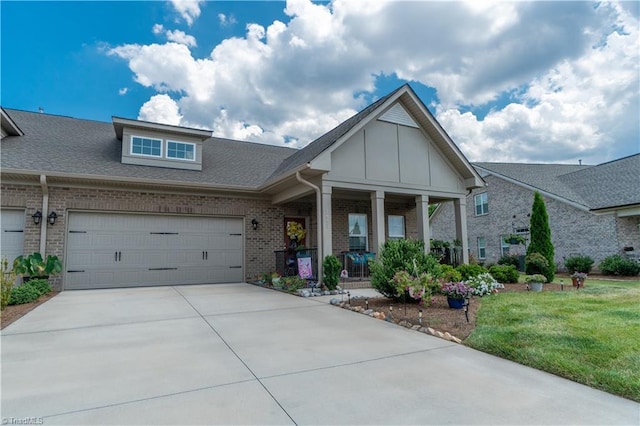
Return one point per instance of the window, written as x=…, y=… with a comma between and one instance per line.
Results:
x=396, y=227
x=482, y=252
x=358, y=232
x=181, y=150
x=504, y=246
x=146, y=146
x=482, y=204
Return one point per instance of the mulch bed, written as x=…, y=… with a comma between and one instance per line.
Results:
x=14, y=312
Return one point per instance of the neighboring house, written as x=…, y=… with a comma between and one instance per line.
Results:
x=141, y=204
x=593, y=210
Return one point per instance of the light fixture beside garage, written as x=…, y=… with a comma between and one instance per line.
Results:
x=254, y=223
x=51, y=218
x=37, y=217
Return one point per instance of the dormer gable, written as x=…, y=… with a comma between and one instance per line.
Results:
x=160, y=145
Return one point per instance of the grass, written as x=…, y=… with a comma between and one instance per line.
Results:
x=590, y=336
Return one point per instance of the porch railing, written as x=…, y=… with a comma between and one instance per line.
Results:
x=448, y=256
x=356, y=263
x=287, y=261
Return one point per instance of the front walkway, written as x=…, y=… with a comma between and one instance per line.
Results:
x=242, y=354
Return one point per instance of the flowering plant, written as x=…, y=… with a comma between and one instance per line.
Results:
x=579, y=275
x=484, y=284
x=419, y=287
x=295, y=231
x=456, y=290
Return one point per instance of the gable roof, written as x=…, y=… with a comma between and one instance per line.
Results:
x=340, y=133
x=318, y=146
x=608, y=185
x=67, y=146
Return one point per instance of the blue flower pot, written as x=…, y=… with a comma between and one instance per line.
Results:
x=455, y=303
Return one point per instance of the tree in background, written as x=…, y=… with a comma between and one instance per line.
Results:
x=541, y=234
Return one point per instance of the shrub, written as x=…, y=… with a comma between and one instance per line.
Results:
x=510, y=259
x=34, y=265
x=471, y=270
x=40, y=285
x=293, y=284
x=541, y=235
x=505, y=273
x=578, y=264
x=618, y=265
x=450, y=274
x=400, y=255
x=7, y=280
x=483, y=284
x=24, y=293
x=331, y=267
x=535, y=278
x=535, y=263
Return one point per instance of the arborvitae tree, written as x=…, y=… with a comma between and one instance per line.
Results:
x=541, y=234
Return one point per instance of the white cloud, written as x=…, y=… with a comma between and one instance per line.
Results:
x=299, y=77
x=182, y=38
x=123, y=91
x=189, y=10
x=158, y=29
x=160, y=109
x=225, y=20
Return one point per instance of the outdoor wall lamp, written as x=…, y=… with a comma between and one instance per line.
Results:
x=37, y=217
x=52, y=218
x=254, y=223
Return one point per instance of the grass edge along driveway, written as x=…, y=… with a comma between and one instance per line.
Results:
x=590, y=336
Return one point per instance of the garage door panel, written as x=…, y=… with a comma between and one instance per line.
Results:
x=121, y=250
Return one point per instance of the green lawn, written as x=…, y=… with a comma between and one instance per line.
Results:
x=591, y=336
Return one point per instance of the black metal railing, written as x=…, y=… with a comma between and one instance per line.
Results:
x=356, y=263
x=287, y=261
x=448, y=256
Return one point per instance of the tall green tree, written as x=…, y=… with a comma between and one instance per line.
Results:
x=541, y=234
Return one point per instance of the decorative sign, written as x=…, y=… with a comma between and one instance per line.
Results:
x=304, y=268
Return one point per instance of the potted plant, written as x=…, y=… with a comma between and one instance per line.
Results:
x=275, y=280
x=535, y=281
x=34, y=266
x=578, y=279
x=456, y=293
x=514, y=239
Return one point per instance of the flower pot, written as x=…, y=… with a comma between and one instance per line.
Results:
x=455, y=303
x=577, y=282
x=536, y=286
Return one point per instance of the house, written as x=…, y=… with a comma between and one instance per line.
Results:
x=133, y=203
x=593, y=210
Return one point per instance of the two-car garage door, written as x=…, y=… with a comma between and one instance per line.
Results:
x=129, y=250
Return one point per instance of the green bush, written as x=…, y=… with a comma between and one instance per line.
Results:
x=618, y=265
x=510, y=259
x=578, y=264
x=470, y=271
x=24, y=293
x=535, y=263
x=504, y=273
x=400, y=255
x=293, y=284
x=42, y=286
x=331, y=267
x=7, y=279
x=450, y=274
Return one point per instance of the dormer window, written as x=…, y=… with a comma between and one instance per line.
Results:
x=160, y=145
x=181, y=150
x=146, y=146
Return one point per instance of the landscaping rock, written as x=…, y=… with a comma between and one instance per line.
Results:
x=368, y=311
x=405, y=324
x=447, y=336
x=455, y=339
x=326, y=293
x=431, y=331
x=333, y=292
x=423, y=330
x=415, y=327
x=334, y=301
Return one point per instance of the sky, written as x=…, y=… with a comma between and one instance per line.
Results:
x=537, y=82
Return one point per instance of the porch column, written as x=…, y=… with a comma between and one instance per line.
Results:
x=422, y=211
x=460, y=207
x=377, y=213
x=327, y=227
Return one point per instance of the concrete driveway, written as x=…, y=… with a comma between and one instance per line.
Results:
x=240, y=354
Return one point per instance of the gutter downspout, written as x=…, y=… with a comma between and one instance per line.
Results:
x=318, y=220
x=45, y=209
